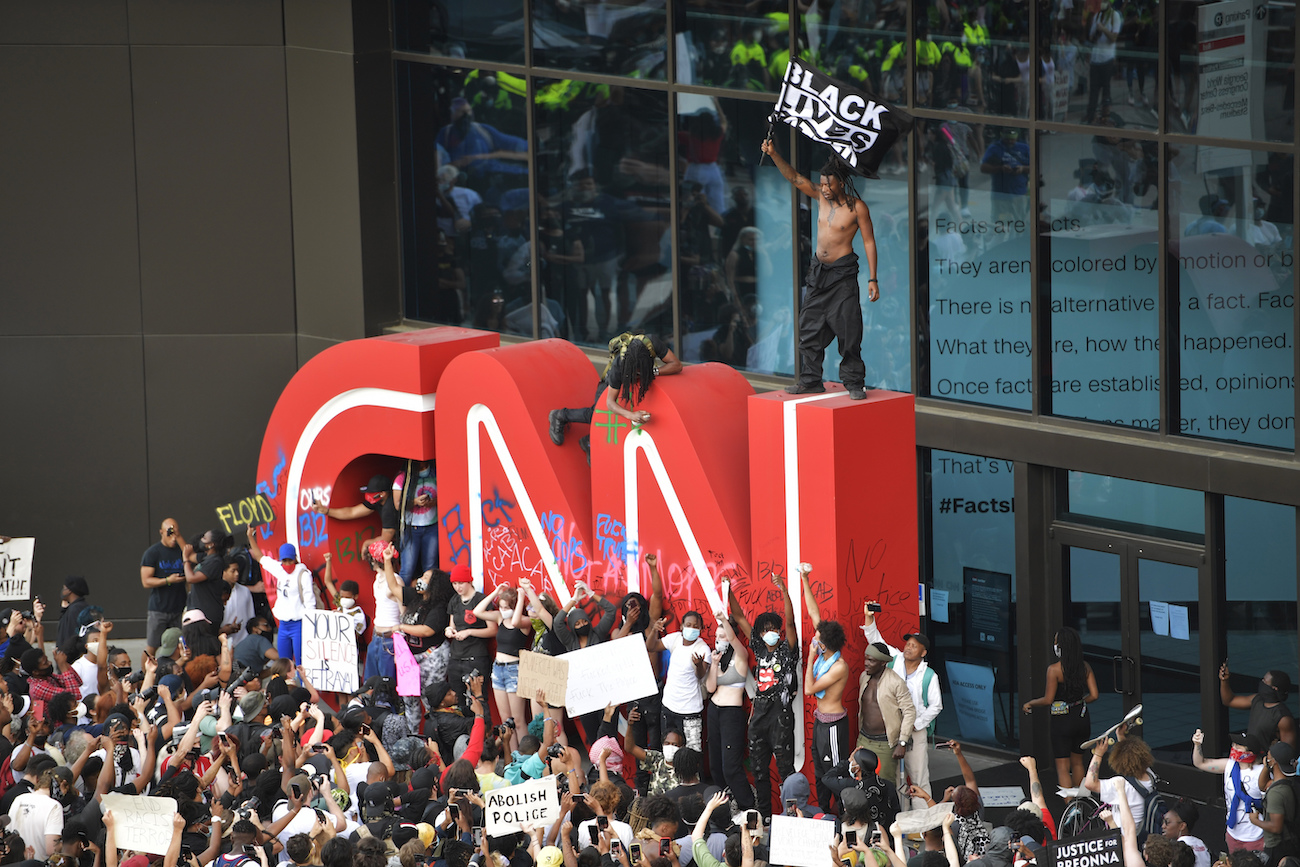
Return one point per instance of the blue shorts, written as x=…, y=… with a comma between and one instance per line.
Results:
x=505, y=676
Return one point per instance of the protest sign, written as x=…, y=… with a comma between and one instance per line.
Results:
x=16, y=568
x=547, y=673
x=799, y=842
x=920, y=821
x=1002, y=796
x=1103, y=849
x=408, y=670
x=141, y=823
x=250, y=510
x=612, y=672
x=515, y=808
x=329, y=651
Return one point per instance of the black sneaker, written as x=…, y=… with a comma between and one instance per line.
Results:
x=857, y=393
x=801, y=388
x=558, y=427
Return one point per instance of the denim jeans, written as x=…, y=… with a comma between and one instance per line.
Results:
x=419, y=552
x=379, y=658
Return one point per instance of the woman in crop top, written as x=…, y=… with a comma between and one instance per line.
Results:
x=381, y=556
x=728, y=724
x=505, y=605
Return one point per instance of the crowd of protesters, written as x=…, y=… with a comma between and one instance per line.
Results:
x=220, y=716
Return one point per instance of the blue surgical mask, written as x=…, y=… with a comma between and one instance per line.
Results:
x=771, y=638
x=690, y=633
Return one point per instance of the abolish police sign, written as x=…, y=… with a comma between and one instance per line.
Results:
x=859, y=128
x=1104, y=849
x=509, y=810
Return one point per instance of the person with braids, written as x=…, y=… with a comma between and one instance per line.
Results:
x=1071, y=687
x=831, y=308
x=627, y=377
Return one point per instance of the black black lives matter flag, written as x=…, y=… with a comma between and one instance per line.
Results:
x=859, y=128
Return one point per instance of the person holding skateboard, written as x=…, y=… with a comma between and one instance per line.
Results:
x=1071, y=687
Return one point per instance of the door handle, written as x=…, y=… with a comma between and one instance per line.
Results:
x=1130, y=681
x=1116, y=675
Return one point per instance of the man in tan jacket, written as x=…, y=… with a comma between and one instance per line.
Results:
x=886, y=715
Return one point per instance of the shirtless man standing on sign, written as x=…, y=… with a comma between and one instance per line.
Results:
x=831, y=308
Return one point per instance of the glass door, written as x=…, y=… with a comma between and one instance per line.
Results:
x=1136, y=603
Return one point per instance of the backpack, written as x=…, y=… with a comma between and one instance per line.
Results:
x=1154, y=808
x=1291, y=822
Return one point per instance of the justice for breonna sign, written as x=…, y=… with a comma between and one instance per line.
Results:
x=860, y=129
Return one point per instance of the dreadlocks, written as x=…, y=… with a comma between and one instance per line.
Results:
x=838, y=169
x=637, y=365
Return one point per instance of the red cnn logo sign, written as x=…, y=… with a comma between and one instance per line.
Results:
x=730, y=489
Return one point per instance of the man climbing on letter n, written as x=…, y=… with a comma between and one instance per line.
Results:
x=830, y=307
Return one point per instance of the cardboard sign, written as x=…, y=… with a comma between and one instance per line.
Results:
x=512, y=809
x=1104, y=849
x=799, y=842
x=16, y=568
x=1002, y=796
x=613, y=672
x=547, y=673
x=920, y=821
x=329, y=651
x=141, y=823
x=250, y=510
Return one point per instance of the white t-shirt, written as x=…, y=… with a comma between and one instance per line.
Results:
x=1103, y=47
x=299, y=824
x=388, y=611
x=120, y=778
x=1198, y=847
x=1136, y=800
x=239, y=609
x=588, y=834
x=681, y=686
x=89, y=672
x=1244, y=830
x=34, y=816
x=293, y=591
x=355, y=773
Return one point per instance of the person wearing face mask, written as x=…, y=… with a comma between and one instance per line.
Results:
x=688, y=663
x=381, y=556
x=91, y=659
x=505, y=607
x=655, y=765
x=256, y=651
x=470, y=649
x=424, y=623
x=420, y=538
x=1241, y=791
x=1270, y=719
x=573, y=627
x=775, y=644
x=44, y=682
x=72, y=596
x=1071, y=687
x=728, y=673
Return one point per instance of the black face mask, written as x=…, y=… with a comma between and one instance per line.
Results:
x=1268, y=693
x=121, y=671
x=582, y=629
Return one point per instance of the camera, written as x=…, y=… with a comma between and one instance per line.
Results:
x=555, y=751
x=509, y=723
x=244, y=677
x=27, y=615
x=469, y=677
x=874, y=607
x=150, y=694
x=134, y=677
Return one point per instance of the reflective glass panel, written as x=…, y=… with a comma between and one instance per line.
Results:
x=465, y=201
x=734, y=239
x=610, y=38
x=1099, y=233
x=976, y=230
x=972, y=55
x=1138, y=503
x=970, y=510
x=603, y=209
x=1100, y=66
x=1259, y=550
x=482, y=30
x=1231, y=232
x=1232, y=69
x=858, y=45
x=725, y=43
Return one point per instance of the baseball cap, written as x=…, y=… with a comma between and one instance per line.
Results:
x=170, y=638
x=40, y=765
x=921, y=639
x=550, y=856
x=1284, y=754
x=194, y=615
x=1250, y=741
x=288, y=552
x=377, y=484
